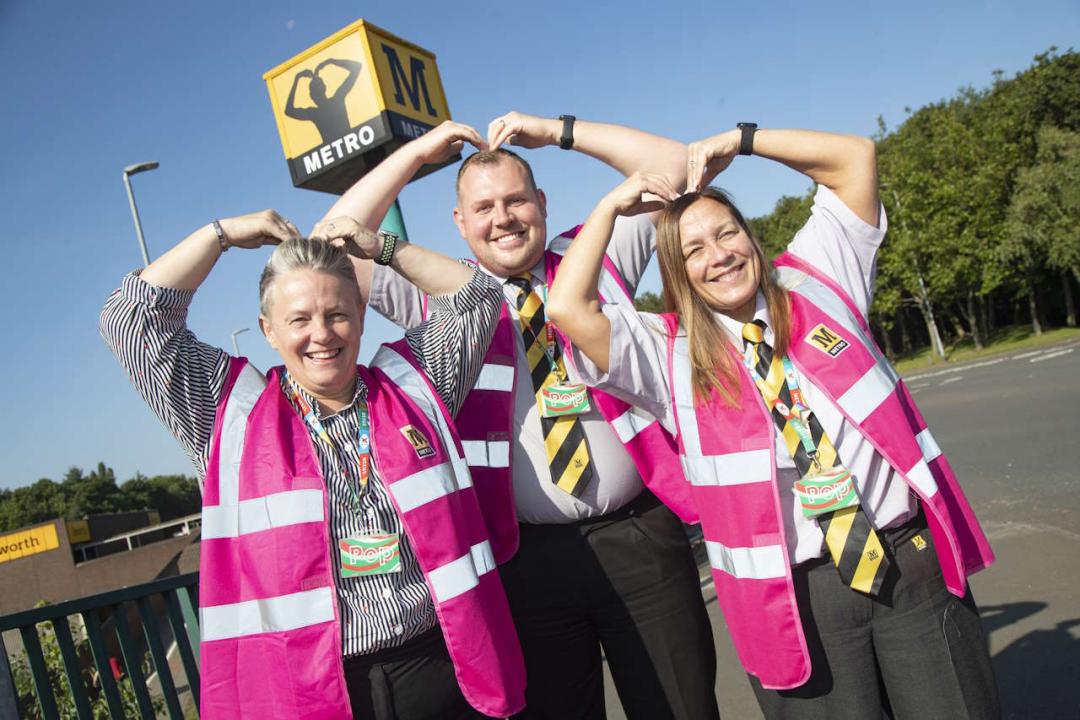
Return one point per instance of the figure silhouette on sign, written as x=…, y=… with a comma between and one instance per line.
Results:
x=329, y=114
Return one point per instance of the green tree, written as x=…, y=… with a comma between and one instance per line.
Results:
x=172, y=496
x=1043, y=223
x=649, y=302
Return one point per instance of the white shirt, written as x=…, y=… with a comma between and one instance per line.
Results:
x=615, y=480
x=843, y=247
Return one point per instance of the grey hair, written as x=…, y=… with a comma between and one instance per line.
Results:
x=304, y=254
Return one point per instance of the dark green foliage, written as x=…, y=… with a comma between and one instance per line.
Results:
x=982, y=197
x=79, y=495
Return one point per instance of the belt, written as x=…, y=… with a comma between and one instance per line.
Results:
x=643, y=503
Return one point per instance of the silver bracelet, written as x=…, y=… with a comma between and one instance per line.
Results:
x=222, y=240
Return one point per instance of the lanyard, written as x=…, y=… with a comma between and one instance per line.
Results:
x=363, y=439
x=797, y=416
x=548, y=343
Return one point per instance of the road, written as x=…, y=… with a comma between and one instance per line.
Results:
x=1011, y=429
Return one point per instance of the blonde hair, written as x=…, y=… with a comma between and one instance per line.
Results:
x=304, y=254
x=712, y=366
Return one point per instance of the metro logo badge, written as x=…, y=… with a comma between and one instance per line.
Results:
x=418, y=441
x=827, y=341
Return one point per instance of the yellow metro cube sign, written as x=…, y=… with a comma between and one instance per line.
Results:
x=347, y=102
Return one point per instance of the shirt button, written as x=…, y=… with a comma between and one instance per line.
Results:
x=348, y=447
x=398, y=629
x=386, y=592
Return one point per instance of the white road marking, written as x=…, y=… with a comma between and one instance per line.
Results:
x=920, y=385
x=946, y=381
x=1059, y=353
x=1033, y=353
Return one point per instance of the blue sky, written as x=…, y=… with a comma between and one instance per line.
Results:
x=92, y=87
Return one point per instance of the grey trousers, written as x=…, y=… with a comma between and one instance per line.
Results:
x=917, y=650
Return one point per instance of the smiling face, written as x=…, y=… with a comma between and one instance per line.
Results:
x=502, y=216
x=721, y=263
x=314, y=321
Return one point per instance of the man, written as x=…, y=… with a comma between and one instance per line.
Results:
x=601, y=563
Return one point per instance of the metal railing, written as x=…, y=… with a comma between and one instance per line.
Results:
x=178, y=598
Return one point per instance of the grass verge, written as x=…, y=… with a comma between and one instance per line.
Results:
x=1003, y=340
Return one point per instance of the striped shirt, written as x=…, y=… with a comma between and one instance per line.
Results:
x=182, y=379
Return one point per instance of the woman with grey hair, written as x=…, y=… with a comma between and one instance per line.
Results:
x=345, y=565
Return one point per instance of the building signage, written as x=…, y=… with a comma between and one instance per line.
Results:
x=347, y=102
x=28, y=542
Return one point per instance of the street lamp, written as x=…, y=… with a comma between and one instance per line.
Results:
x=235, y=347
x=128, y=172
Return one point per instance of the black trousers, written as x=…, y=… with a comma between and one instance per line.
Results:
x=917, y=648
x=625, y=582
x=414, y=681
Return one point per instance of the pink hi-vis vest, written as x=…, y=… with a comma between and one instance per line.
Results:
x=486, y=422
x=729, y=457
x=271, y=634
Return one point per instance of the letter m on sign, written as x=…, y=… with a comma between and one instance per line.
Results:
x=414, y=84
x=826, y=340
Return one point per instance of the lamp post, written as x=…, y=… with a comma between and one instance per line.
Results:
x=128, y=172
x=235, y=347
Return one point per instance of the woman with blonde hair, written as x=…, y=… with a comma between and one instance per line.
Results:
x=345, y=567
x=839, y=539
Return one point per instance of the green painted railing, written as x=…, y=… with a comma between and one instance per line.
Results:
x=176, y=595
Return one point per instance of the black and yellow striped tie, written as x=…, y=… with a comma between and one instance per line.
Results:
x=853, y=544
x=564, y=437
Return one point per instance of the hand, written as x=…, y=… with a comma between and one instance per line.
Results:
x=709, y=157
x=640, y=193
x=258, y=229
x=445, y=141
x=527, y=131
x=344, y=232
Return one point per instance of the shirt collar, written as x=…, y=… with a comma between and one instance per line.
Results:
x=537, y=272
x=359, y=395
x=734, y=327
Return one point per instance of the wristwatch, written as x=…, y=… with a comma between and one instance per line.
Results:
x=567, y=140
x=746, y=145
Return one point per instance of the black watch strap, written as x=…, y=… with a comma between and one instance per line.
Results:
x=746, y=144
x=567, y=140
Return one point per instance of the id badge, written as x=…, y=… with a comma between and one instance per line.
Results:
x=363, y=555
x=564, y=399
x=826, y=491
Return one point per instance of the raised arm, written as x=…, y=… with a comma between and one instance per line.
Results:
x=187, y=264
x=846, y=164
x=367, y=201
x=430, y=271
x=573, y=301
x=623, y=148
x=290, y=104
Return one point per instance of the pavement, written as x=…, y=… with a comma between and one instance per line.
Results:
x=1011, y=429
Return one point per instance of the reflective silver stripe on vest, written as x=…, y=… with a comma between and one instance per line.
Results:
x=480, y=453
x=748, y=563
x=923, y=480
x=609, y=288
x=430, y=484
x=630, y=423
x=245, y=391
x=495, y=377
x=461, y=575
x=262, y=513
x=685, y=412
x=734, y=468
x=435, y=482
x=868, y=392
x=275, y=614
x=929, y=446
x=823, y=297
